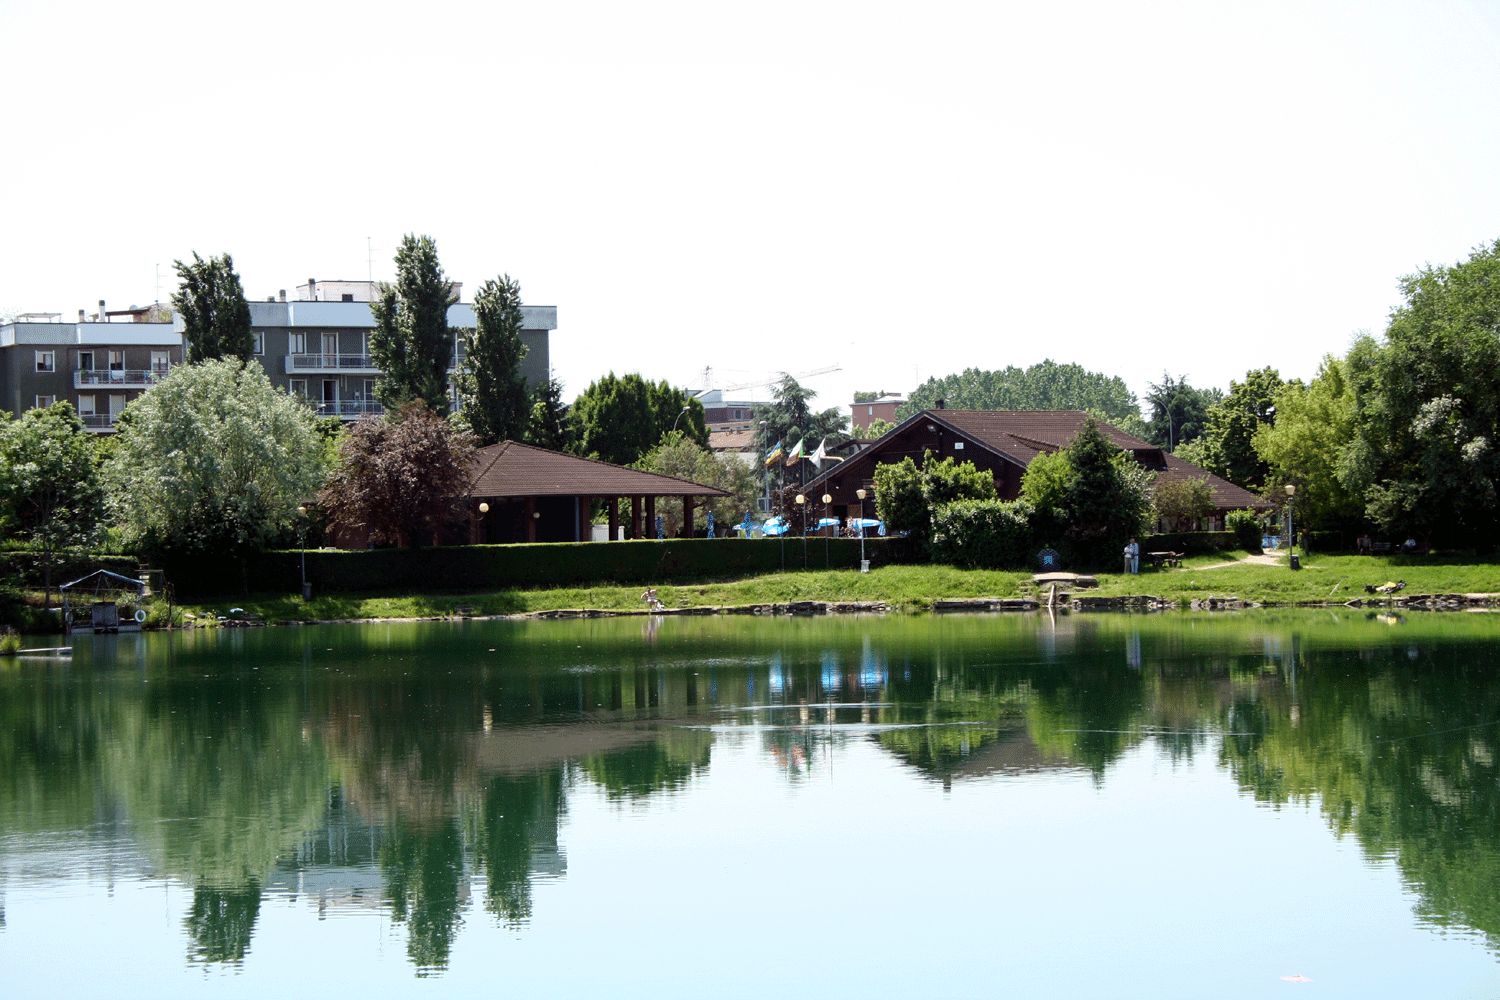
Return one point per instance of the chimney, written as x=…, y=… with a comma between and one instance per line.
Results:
x=283, y=294
x=270, y=298
x=312, y=289
x=102, y=317
x=80, y=315
x=942, y=403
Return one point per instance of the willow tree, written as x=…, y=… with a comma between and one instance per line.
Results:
x=411, y=344
x=212, y=461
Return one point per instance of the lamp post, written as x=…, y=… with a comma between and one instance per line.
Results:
x=302, y=520
x=765, y=432
x=802, y=516
x=864, y=564
x=684, y=409
x=1291, y=533
x=826, y=501
x=484, y=509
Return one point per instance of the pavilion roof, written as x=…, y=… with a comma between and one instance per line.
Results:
x=512, y=469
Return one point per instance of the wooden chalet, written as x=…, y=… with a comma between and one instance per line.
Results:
x=536, y=495
x=1003, y=443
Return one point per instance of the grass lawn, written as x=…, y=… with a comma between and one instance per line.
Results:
x=1333, y=579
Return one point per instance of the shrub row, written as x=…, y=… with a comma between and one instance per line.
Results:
x=556, y=564
x=1193, y=542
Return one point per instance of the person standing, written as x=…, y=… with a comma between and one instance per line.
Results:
x=1132, y=557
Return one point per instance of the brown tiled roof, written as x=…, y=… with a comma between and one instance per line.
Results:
x=512, y=469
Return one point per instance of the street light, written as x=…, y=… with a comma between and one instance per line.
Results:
x=685, y=408
x=302, y=519
x=826, y=501
x=802, y=514
x=484, y=509
x=1291, y=533
x=765, y=446
x=864, y=564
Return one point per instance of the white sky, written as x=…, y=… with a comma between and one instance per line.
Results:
x=903, y=190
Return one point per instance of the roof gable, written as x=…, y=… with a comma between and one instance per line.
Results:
x=513, y=469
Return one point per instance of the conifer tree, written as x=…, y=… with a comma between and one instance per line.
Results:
x=411, y=344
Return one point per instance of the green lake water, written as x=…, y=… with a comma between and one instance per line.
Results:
x=1177, y=805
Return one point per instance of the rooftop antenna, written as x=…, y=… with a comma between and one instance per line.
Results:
x=369, y=259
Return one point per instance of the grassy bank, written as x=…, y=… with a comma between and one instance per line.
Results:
x=913, y=588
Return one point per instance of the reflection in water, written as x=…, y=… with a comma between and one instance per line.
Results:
x=391, y=767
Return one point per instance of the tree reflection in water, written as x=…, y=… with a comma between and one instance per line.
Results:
x=393, y=771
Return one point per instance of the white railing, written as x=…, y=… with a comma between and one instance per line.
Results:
x=329, y=363
x=83, y=378
x=347, y=409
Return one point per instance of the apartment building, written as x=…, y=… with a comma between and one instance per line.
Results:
x=317, y=346
x=99, y=363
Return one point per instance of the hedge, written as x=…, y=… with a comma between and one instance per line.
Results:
x=541, y=565
x=1191, y=542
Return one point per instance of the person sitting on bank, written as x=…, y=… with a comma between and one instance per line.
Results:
x=1366, y=547
x=1409, y=546
x=652, y=602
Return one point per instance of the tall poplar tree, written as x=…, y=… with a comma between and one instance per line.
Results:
x=490, y=384
x=215, y=315
x=411, y=344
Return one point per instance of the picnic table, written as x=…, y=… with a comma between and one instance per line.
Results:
x=1160, y=559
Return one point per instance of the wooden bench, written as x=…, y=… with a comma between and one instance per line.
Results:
x=1380, y=548
x=1159, y=559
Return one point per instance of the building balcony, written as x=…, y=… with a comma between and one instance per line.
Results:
x=97, y=423
x=353, y=364
x=117, y=378
x=347, y=409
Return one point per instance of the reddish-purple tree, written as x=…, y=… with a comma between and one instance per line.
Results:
x=403, y=479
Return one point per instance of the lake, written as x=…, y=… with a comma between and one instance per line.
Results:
x=1172, y=805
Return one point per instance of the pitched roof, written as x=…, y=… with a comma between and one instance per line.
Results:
x=1021, y=435
x=512, y=469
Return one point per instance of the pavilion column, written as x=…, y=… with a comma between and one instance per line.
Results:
x=687, y=517
x=531, y=519
x=580, y=519
x=637, y=505
x=614, y=518
x=651, y=517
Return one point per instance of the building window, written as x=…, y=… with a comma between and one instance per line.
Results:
x=160, y=362
x=85, y=361
x=86, y=405
x=46, y=361
x=259, y=340
x=299, y=388
x=296, y=343
x=116, y=361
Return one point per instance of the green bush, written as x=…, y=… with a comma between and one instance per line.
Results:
x=988, y=534
x=1247, y=529
x=1192, y=542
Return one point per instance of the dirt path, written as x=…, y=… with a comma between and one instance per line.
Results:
x=1260, y=560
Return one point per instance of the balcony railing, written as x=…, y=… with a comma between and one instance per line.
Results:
x=97, y=422
x=118, y=378
x=330, y=363
x=347, y=409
